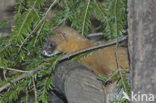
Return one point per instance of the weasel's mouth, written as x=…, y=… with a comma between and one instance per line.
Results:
x=46, y=54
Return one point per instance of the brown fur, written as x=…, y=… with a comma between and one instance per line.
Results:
x=101, y=61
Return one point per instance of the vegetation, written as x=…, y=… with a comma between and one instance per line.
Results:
x=24, y=69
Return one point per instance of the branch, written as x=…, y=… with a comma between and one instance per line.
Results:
x=5, y=47
x=15, y=70
x=116, y=49
x=72, y=54
x=22, y=76
x=25, y=19
x=84, y=21
x=38, y=25
x=35, y=90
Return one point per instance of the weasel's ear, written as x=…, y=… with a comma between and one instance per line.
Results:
x=96, y=36
x=57, y=31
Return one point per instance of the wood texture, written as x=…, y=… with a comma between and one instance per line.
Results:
x=142, y=45
x=78, y=83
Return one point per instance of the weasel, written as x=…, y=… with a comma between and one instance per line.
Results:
x=101, y=61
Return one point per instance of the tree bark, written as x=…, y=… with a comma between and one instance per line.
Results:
x=142, y=46
x=77, y=83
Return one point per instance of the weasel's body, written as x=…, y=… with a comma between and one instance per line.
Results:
x=101, y=61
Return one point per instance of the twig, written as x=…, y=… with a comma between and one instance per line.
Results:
x=12, y=69
x=36, y=12
x=69, y=55
x=27, y=94
x=37, y=26
x=95, y=34
x=116, y=49
x=35, y=90
x=22, y=76
x=5, y=47
x=38, y=34
x=15, y=80
x=109, y=78
x=119, y=68
x=25, y=19
x=84, y=21
x=4, y=75
x=104, y=16
x=16, y=70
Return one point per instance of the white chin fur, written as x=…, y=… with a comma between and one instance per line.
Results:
x=50, y=55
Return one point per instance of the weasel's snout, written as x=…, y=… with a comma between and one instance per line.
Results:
x=49, y=54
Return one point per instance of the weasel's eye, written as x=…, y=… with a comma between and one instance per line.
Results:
x=52, y=44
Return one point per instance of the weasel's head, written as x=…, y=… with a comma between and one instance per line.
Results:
x=49, y=48
x=65, y=40
x=59, y=43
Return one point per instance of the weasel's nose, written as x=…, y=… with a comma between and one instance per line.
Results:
x=44, y=53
